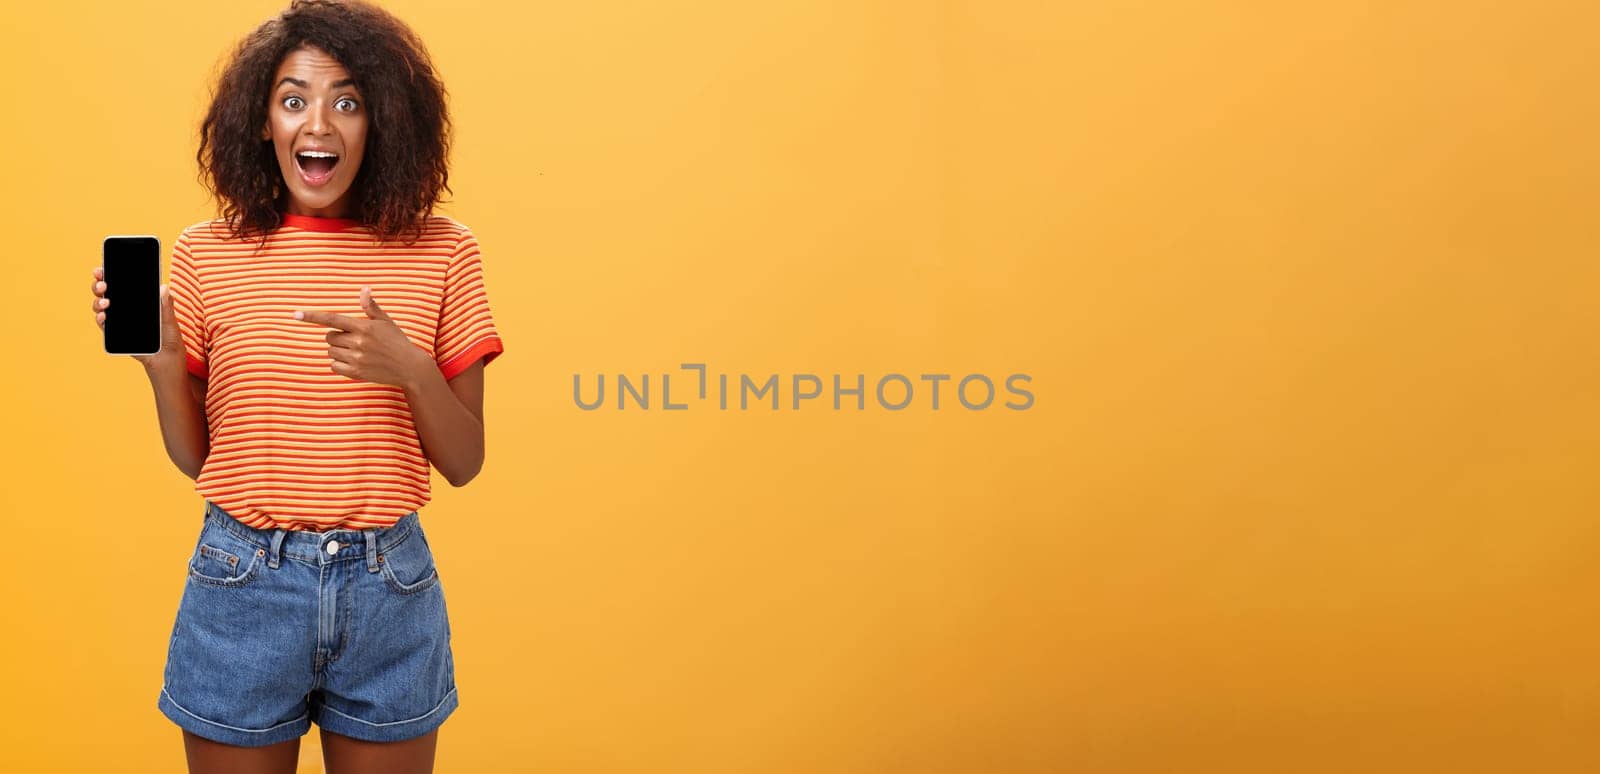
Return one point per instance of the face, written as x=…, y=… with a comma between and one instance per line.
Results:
x=317, y=123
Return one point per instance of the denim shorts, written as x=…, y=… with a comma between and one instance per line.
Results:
x=280, y=629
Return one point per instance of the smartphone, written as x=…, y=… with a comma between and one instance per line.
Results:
x=133, y=285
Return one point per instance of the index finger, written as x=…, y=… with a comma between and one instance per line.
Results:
x=330, y=319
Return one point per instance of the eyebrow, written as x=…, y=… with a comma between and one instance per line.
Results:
x=304, y=85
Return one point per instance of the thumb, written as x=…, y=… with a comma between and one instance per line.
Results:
x=169, y=319
x=169, y=313
x=370, y=304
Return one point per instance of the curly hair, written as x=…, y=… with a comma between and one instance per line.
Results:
x=404, y=168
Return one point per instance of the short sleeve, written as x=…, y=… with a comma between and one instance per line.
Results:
x=183, y=285
x=466, y=327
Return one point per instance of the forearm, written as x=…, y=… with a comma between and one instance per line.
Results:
x=182, y=417
x=452, y=437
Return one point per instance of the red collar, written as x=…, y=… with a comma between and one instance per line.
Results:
x=313, y=223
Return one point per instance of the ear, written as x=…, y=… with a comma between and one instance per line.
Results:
x=266, y=131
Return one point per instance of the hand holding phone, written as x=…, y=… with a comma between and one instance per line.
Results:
x=143, y=324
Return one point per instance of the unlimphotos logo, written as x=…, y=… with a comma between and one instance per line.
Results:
x=894, y=392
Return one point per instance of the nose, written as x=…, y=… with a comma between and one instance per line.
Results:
x=317, y=120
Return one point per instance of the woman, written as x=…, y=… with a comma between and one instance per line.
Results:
x=323, y=342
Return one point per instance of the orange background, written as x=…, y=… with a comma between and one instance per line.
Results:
x=1306, y=294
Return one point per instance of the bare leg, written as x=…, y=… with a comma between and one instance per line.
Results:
x=344, y=755
x=208, y=757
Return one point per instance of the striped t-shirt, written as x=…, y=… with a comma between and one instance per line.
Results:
x=294, y=444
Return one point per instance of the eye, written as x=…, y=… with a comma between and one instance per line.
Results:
x=293, y=103
x=346, y=101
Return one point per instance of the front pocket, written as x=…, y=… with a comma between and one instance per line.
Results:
x=221, y=567
x=408, y=565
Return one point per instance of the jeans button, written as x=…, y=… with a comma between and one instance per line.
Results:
x=333, y=547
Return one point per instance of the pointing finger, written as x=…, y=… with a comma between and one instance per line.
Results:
x=329, y=319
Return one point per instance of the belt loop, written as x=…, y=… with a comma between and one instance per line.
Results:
x=372, y=548
x=277, y=548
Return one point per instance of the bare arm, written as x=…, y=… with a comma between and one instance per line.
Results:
x=180, y=395
x=448, y=414
x=180, y=407
x=449, y=420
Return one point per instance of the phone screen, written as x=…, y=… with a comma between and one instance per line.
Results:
x=133, y=285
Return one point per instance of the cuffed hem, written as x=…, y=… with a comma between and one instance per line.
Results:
x=234, y=735
x=338, y=722
x=488, y=348
x=195, y=365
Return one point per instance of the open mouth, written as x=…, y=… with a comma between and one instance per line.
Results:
x=316, y=167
